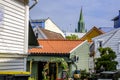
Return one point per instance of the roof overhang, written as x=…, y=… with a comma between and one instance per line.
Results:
x=32, y=40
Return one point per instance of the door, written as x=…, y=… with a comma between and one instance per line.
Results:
x=52, y=71
x=40, y=69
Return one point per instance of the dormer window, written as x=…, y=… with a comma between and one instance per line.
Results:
x=36, y=35
x=100, y=43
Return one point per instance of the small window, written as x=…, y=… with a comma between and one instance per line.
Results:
x=76, y=58
x=36, y=35
x=100, y=43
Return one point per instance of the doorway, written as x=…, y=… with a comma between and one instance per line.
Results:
x=52, y=71
x=40, y=69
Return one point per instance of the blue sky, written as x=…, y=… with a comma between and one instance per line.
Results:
x=65, y=13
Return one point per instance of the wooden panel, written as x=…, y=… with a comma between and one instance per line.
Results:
x=13, y=14
x=11, y=64
x=12, y=6
x=7, y=8
x=15, y=2
x=13, y=27
x=13, y=42
x=11, y=51
x=2, y=37
x=11, y=35
x=10, y=48
x=14, y=18
x=14, y=21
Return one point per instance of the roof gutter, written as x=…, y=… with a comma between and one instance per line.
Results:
x=35, y=2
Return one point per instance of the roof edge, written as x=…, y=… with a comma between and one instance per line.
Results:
x=78, y=46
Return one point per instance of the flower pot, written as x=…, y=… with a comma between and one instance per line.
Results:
x=76, y=76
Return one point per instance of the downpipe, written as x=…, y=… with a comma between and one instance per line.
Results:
x=35, y=2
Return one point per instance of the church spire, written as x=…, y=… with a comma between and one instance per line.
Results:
x=81, y=24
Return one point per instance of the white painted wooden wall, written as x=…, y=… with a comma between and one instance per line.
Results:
x=10, y=64
x=110, y=39
x=49, y=25
x=14, y=16
x=13, y=26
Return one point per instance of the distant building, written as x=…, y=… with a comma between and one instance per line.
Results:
x=110, y=39
x=106, y=29
x=117, y=21
x=116, y=24
x=72, y=51
x=41, y=33
x=80, y=35
x=92, y=33
x=47, y=24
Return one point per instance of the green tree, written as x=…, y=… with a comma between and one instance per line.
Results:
x=106, y=61
x=72, y=37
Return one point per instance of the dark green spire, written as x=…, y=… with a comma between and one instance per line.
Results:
x=81, y=24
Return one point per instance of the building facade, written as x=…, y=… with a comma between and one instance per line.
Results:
x=117, y=21
x=14, y=17
x=47, y=24
x=76, y=51
x=110, y=39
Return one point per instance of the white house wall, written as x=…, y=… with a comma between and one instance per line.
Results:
x=14, y=16
x=13, y=26
x=49, y=25
x=110, y=39
x=104, y=38
x=10, y=64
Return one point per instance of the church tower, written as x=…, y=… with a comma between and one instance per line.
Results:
x=81, y=24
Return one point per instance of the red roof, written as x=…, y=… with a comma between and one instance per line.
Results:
x=55, y=46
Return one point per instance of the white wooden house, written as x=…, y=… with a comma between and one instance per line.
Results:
x=47, y=24
x=14, y=17
x=110, y=39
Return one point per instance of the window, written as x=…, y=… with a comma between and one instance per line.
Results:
x=36, y=35
x=76, y=58
x=100, y=43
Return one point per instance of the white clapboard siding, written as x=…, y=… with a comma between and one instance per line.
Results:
x=11, y=64
x=12, y=27
x=12, y=5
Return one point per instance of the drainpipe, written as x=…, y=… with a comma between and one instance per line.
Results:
x=35, y=2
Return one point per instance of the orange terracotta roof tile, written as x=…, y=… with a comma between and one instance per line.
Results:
x=55, y=46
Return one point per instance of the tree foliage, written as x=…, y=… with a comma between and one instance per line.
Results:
x=72, y=37
x=106, y=61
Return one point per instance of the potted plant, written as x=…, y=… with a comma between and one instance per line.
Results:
x=84, y=75
x=77, y=74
